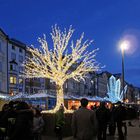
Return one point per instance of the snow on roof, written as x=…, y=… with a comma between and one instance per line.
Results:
x=40, y=95
x=4, y=96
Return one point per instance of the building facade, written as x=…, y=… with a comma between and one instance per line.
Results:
x=34, y=85
x=16, y=56
x=137, y=95
x=12, y=55
x=88, y=87
x=3, y=62
x=102, y=83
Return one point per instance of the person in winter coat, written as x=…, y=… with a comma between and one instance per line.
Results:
x=38, y=124
x=4, y=121
x=103, y=116
x=59, y=122
x=84, y=122
x=112, y=123
x=119, y=116
x=23, y=123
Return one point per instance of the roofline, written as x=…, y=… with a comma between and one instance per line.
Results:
x=18, y=43
x=4, y=33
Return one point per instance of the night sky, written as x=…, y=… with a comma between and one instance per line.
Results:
x=105, y=21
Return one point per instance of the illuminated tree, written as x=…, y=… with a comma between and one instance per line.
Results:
x=56, y=63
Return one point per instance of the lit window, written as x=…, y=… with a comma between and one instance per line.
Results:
x=51, y=81
x=66, y=85
x=20, y=81
x=13, y=80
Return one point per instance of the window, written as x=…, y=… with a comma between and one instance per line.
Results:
x=20, y=89
x=21, y=69
x=13, y=80
x=13, y=56
x=66, y=85
x=51, y=81
x=20, y=58
x=0, y=66
x=20, y=50
x=20, y=81
x=13, y=67
x=13, y=47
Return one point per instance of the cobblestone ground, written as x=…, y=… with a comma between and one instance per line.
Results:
x=133, y=133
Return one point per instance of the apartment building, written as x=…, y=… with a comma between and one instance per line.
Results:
x=88, y=87
x=3, y=62
x=12, y=55
x=16, y=56
x=102, y=83
x=34, y=85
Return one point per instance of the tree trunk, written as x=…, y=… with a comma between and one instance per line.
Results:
x=59, y=97
x=59, y=101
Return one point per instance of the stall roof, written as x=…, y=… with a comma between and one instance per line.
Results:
x=44, y=95
x=4, y=96
x=40, y=95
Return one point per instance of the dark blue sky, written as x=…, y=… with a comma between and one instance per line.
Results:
x=104, y=21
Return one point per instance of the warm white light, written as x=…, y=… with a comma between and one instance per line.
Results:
x=124, y=45
x=56, y=64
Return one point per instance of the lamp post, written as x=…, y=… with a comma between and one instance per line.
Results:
x=123, y=72
x=124, y=46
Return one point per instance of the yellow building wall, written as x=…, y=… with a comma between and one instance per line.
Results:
x=2, y=102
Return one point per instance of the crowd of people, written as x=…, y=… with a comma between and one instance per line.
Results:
x=92, y=124
x=87, y=124
x=20, y=121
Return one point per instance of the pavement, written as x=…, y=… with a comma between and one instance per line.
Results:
x=133, y=133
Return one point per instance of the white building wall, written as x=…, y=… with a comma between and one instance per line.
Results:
x=3, y=63
x=15, y=54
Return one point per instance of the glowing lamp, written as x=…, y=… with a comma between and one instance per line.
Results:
x=124, y=45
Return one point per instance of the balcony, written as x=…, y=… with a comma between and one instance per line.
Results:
x=13, y=86
x=14, y=72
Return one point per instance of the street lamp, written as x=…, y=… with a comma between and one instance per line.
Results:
x=124, y=45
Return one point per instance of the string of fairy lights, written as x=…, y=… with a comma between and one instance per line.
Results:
x=65, y=60
x=113, y=91
x=56, y=63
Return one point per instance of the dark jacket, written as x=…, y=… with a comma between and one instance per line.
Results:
x=103, y=115
x=84, y=124
x=119, y=113
x=23, y=125
x=59, y=118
